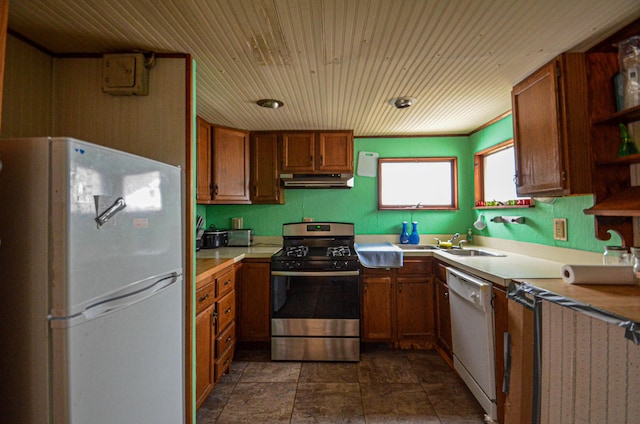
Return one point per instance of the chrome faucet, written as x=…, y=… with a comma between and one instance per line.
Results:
x=455, y=236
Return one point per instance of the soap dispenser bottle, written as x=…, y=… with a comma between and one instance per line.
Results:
x=404, y=235
x=469, y=236
x=414, y=238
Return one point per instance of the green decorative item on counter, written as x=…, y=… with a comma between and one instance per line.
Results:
x=627, y=146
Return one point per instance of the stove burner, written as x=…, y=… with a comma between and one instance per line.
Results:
x=338, y=251
x=296, y=251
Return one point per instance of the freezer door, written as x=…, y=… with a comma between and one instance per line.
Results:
x=124, y=365
x=116, y=219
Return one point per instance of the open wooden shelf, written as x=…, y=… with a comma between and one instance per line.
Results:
x=631, y=114
x=621, y=160
x=623, y=203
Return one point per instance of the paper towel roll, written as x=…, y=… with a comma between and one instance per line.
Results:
x=598, y=274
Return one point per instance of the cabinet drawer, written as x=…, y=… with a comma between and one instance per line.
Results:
x=225, y=282
x=415, y=266
x=223, y=362
x=441, y=271
x=226, y=339
x=205, y=297
x=375, y=272
x=226, y=308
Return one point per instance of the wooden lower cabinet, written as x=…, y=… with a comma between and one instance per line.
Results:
x=443, y=315
x=398, y=304
x=519, y=401
x=377, y=310
x=215, y=329
x=500, y=318
x=254, y=294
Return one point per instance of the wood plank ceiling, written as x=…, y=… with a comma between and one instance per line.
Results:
x=336, y=63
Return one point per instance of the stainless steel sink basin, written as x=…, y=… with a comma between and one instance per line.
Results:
x=417, y=247
x=471, y=252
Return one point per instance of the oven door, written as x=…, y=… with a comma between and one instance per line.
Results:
x=315, y=315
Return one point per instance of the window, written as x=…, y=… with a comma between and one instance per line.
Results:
x=495, y=172
x=418, y=183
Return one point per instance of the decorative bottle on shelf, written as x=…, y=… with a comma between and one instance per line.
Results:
x=414, y=238
x=404, y=235
x=627, y=145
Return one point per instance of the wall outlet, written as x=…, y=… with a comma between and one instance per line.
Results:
x=560, y=229
x=307, y=219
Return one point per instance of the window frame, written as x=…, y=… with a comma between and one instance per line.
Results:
x=478, y=174
x=453, y=160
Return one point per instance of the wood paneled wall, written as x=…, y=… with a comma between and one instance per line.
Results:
x=590, y=372
x=152, y=126
x=27, y=108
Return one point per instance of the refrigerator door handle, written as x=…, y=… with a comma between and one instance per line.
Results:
x=105, y=216
x=118, y=302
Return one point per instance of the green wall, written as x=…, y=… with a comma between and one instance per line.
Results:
x=539, y=220
x=359, y=204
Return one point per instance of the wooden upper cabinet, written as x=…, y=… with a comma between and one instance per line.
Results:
x=204, y=182
x=312, y=152
x=551, y=129
x=230, y=151
x=265, y=176
x=335, y=150
x=298, y=152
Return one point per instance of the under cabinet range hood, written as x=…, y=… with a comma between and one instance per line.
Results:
x=317, y=180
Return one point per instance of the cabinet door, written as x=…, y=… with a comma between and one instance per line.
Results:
x=265, y=176
x=415, y=308
x=203, y=161
x=254, y=289
x=376, y=309
x=230, y=166
x=500, y=315
x=205, y=338
x=298, y=151
x=537, y=133
x=519, y=400
x=335, y=152
x=443, y=323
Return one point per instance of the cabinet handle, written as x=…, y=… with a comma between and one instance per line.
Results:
x=216, y=189
x=228, y=339
x=226, y=311
x=400, y=287
x=214, y=318
x=365, y=287
x=227, y=361
x=203, y=298
x=226, y=283
x=446, y=294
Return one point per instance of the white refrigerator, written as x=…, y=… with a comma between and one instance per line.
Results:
x=91, y=289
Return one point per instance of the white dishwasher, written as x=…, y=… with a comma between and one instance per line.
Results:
x=473, y=336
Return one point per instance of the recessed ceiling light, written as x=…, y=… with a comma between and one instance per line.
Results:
x=270, y=103
x=402, y=102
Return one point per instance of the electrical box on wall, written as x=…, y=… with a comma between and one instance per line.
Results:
x=125, y=74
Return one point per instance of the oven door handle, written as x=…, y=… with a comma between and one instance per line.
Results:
x=315, y=273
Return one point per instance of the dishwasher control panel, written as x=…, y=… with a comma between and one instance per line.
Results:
x=470, y=288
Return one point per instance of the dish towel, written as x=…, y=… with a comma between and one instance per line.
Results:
x=379, y=255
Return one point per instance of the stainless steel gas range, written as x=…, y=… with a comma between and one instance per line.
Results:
x=315, y=283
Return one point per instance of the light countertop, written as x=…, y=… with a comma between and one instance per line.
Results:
x=623, y=301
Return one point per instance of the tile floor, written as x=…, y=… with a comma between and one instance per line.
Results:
x=386, y=386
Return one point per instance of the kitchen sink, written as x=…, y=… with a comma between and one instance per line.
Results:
x=417, y=246
x=471, y=252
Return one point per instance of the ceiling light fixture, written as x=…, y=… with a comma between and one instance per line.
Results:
x=270, y=103
x=402, y=102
